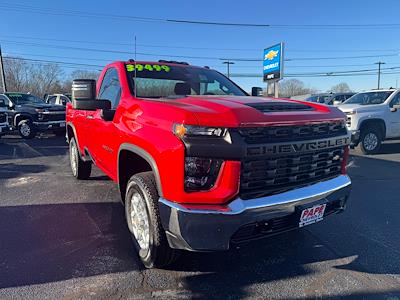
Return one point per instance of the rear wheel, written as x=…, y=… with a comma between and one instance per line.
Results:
x=26, y=129
x=80, y=169
x=144, y=223
x=370, y=140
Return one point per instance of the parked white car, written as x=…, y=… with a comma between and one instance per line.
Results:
x=372, y=117
x=57, y=99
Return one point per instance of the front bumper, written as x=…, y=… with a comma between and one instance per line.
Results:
x=49, y=125
x=241, y=220
x=355, y=138
x=4, y=128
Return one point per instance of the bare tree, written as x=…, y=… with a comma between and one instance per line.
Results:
x=294, y=87
x=79, y=74
x=342, y=87
x=35, y=78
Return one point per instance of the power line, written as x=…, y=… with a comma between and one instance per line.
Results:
x=77, y=13
x=190, y=56
x=192, y=47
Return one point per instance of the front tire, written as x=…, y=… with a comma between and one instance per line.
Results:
x=370, y=140
x=80, y=169
x=144, y=223
x=26, y=129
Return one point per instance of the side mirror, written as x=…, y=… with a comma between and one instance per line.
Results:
x=83, y=89
x=84, y=96
x=256, y=91
x=91, y=104
x=395, y=108
x=107, y=114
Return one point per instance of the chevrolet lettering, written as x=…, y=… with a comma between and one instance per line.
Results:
x=298, y=147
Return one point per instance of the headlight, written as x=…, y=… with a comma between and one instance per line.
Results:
x=181, y=130
x=353, y=112
x=201, y=173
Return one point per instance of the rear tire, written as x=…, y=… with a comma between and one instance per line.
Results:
x=370, y=140
x=144, y=223
x=26, y=129
x=80, y=169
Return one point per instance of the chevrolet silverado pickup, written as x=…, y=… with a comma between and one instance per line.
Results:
x=30, y=115
x=200, y=164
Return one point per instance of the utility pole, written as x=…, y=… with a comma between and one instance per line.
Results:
x=276, y=89
x=228, y=63
x=379, y=63
x=3, y=77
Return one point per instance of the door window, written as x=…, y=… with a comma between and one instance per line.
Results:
x=4, y=102
x=110, y=87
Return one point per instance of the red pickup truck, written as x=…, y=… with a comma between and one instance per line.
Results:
x=199, y=163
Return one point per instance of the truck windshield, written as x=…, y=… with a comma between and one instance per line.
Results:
x=19, y=99
x=160, y=81
x=369, y=98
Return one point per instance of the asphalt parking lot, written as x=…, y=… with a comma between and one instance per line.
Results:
x=66, y=239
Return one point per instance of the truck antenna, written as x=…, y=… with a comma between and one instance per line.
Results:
x=134, y=85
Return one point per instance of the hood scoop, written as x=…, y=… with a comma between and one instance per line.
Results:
x=278, y=106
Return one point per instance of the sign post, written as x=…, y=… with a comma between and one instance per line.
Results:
x=273, y=66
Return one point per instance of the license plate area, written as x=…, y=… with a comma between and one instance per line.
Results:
x=311, y=215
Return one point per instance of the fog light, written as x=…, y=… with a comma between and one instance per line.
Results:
x=201, y=173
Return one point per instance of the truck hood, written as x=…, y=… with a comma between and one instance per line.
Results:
x=49, y=107
x=242, y=111
x=360, y=108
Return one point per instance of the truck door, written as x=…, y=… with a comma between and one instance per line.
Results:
x=104, y=138
x=394, y=117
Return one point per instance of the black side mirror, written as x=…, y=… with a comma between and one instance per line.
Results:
x=83, y=89
x=256, y=91
x=107, y=114
x=84, y=95
x=91, y=104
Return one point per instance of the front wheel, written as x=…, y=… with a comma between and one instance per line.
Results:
x=370, y=140
x=26, y=129
x=144, y=223
x=80, y=169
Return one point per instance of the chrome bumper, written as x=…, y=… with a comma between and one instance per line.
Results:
x=209, y=229
x=49, y=123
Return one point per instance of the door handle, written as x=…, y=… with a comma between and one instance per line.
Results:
x=90, y=117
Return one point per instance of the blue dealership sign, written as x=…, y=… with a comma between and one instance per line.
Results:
x=273, y=63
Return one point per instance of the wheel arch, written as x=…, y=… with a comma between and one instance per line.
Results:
x=380, y=123
x=21, y=116
x=143, y=161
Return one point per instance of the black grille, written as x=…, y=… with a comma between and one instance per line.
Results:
x=3, y=117
x=270, y=175
x=275, y=106
x=54, y=117
x=292, y=133
x=277, y=225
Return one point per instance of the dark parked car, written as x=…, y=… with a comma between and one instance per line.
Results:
x=330, y=98
x=30, y=114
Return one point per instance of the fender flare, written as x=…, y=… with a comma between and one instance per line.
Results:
x=146, y=156
x=21, y=115
x=378, y=121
